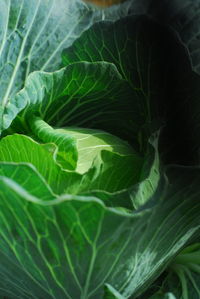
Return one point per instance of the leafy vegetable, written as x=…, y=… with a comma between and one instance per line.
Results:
x=43, y=158
x=32, y=30
x=33, y=34
x=94, y=105
x=69, y=246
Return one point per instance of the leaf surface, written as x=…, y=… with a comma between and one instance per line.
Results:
x=141, y=50
x=109, y=172
x=107, y=85
x=71, y=246
x=33, y=33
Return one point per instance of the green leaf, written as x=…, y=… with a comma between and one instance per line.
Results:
x=27, y=176
x=19, y=148
x=32, y=36
x=74, y=96
x=109, y=173
x=149, y=176
x=146, y=182
x=79, y=147
x=130, y=43
x=140, y=49
x=91, y=142
x=128, y=87
x=151, y=58
x=66, y=155
x=69, y=247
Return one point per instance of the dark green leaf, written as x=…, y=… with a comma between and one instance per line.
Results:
x=71, y=246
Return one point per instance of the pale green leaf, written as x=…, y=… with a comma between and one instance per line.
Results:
x=91, y=142
x=110, y=172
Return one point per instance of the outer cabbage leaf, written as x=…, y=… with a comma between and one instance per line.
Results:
x=141, y=51
x=19, y=148
x=71, y=246
x=132, y=90
x=33, y=33
x=27, y=176
x=74, y=96
x=151, y=59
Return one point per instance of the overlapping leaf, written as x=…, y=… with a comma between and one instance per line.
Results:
x=71, y=246
x=97, y=94
x=58, y=238
x=141, y=51
x=109, y=172
x=32, y=35
x=91, y=142
x=28, y=178
x=34, y=32
x=80, y=94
